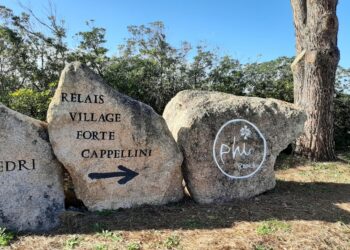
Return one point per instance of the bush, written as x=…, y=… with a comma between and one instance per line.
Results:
x=30, y=102
x=272, y=79
x=5, y=237
x=342, y=121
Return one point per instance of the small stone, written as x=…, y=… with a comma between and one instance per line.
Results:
x=30, y=176
x=118, y=151
x=230, y=143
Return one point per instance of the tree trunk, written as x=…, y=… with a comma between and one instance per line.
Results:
x=316, y=27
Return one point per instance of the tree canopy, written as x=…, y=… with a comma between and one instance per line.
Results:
x=33, y=52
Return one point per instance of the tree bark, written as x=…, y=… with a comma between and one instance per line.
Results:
x=316, y=28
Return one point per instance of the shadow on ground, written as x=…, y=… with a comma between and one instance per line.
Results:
x=288, y=201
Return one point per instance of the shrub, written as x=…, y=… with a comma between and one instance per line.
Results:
x=31, y=102
x=342, y=121
x=5, y=237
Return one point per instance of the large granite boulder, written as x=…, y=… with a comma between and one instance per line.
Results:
x=118, y=151
x=230, y=143
x=31, y=192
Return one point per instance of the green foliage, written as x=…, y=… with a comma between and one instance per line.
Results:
x=135, y=77
x=5, y=237
x=199, y=70
x=110, y=235
x=98, y=227
x=30, y=102
x=172, y=242
x=134, y=246
x=29, y=58
x=148, y=68
x=272, y=79
x=342, y=121
x=272, y=226
x=262, y=247
x=100, y=247
x=153, y=71
x=227, y=77
x=90, y=50
x=72, y=242
x=342, y=81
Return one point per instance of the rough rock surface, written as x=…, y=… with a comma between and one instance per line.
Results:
x=119, y=152
x=230, y=143
x=31, y=192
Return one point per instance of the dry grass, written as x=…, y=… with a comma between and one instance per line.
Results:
x=308, y=209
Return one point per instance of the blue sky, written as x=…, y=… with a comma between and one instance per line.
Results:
x=243, y=29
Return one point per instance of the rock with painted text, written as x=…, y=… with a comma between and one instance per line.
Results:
x=31, y=192
x=230, y=143
x=118, y=151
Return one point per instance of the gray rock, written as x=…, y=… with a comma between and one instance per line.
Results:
x=101, y=135
x=30, y=176
x=230, y=143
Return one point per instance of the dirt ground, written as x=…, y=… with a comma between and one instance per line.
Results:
x=308, y=209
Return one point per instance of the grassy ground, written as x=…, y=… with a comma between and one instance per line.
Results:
x=308, y=209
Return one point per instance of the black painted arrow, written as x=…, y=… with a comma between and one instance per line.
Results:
x=126, y=173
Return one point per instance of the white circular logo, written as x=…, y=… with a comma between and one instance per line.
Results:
x=239, y=149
